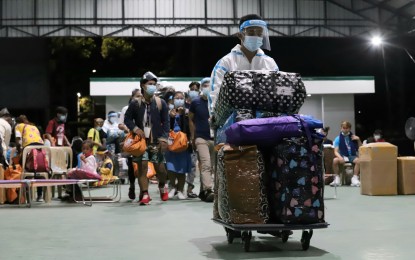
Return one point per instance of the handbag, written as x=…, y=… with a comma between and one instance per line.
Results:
x=12, y=172
x=134, y=144
x=177, y=141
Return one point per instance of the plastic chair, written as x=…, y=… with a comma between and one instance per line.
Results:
x=25, y=174
x=61, y=163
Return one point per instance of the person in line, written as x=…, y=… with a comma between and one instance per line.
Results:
x=377, y=137
x=148, y=117
x=55, y=131
x=253, y=35
x=135, y=94
x=346, y=147
x=178, y=163
x=194, y=92
x=94, y=134
x=202, y=142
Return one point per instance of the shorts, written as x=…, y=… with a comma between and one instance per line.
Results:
x=152, y=154
x=349, y=158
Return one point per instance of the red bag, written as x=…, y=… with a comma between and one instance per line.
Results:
x=37, y=161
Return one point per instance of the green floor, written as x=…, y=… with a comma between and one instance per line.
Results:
x=361, y=227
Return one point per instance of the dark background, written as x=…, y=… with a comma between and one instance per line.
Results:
x=34, y=79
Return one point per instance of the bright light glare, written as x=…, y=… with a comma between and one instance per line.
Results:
x=376, y=40
x=93, y=71
x=78, y=94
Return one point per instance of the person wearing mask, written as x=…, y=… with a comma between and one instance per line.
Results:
x=5, y=132
x=55, y=131
x=114, y=134
x=178, y=163
x=346, y=147
x=135, y=94
x=94, y=134
x=203, y=141
x=148, y=117
x=376, y=138
x=194, y=92
x=248, y=55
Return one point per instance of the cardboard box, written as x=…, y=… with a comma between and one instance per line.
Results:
x=378, y=169
x=406, y=175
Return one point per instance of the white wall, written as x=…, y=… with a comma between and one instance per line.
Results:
x=331, y=109
x=312, y=106
x=338, y=108
x=115, y=103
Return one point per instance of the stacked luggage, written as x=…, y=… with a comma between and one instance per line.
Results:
x=271, y=170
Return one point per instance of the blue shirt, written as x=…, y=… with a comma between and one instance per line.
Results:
x=199, y=107
x=347, y=139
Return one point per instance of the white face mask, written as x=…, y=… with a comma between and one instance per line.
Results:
x=377, y=137
x=252, y=43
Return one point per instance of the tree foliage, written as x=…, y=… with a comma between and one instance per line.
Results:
x=77, y=46
x=116, y=48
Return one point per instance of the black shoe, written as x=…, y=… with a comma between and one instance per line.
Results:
x=207, y=195
x=191, y=195
x=131, y=193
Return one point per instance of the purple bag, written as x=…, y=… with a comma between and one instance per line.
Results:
x=269, y=131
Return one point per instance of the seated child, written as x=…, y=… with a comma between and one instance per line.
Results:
x=105, y=168
x=87, y=165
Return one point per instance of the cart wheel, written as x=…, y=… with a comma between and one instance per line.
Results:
x=284, y=235
x=230, y=235
x=246, y=239
x=305, y=240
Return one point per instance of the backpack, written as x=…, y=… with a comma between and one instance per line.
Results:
x=37, y=161
x=158, y=103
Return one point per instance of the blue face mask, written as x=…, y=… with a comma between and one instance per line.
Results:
x=178, y=102
x=98, y=128
x=151, y=89
x=193, y=94
x=62, y=118
x=205, y=92
x=252, y=43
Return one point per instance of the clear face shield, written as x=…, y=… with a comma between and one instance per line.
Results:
x=255, y=31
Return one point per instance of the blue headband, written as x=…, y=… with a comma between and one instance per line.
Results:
x=252, y=23
x=113, y=114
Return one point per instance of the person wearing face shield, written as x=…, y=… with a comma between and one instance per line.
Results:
x=148, y=117
x=55, y=131
x=346, y=147
x=248, y=55
x=114, y=134
x=202, y=140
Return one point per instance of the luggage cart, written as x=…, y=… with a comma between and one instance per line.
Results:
x=244, y=231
